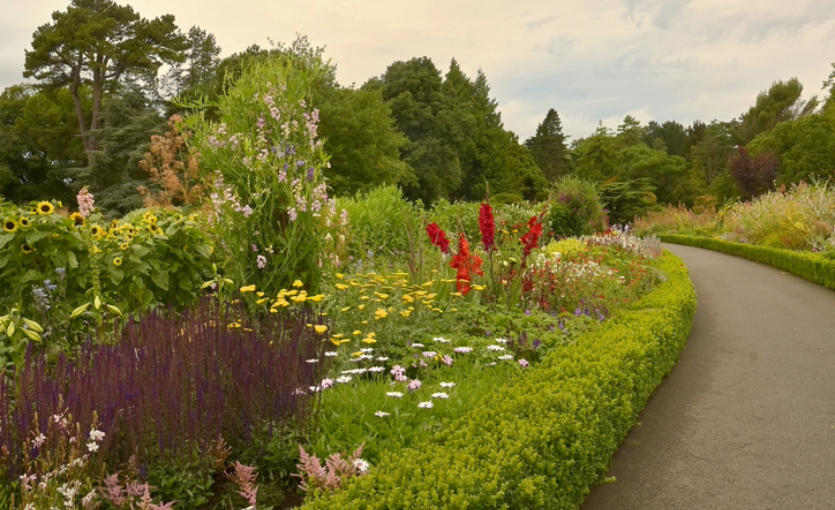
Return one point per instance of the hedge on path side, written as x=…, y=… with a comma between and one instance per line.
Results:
x=544, y=439
x=814, y=267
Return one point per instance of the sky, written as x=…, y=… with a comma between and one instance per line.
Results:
x=591, y=60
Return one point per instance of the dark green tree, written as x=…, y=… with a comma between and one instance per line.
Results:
x=805, y=147
x=781, y=102
x=98, y=43
x=669, y=136
x=198, y=71
x=130, y=119
x=548, y=147
x=37, y=143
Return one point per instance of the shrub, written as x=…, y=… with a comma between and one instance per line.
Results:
x=575, y=208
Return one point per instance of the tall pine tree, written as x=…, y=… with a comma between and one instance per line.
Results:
x=547, y=147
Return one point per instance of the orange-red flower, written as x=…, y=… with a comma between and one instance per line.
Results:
x=531, y=239
x=466, y=264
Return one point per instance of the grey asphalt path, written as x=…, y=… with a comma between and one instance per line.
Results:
x=746, y=419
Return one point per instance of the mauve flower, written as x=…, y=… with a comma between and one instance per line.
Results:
x=414, y=385
x=523, y=363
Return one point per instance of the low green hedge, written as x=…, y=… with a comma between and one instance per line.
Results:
x=545, y=438
x=814, y=267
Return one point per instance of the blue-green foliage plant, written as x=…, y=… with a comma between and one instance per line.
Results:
x=549, y=435
x=815, y=267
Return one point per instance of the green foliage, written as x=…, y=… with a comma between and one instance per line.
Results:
x=99, y=43
x=627, y=200
x=781, y=102
x=575, y=208
x=380, y=221
x=815, y=267
x=50, y=266
x=457, y=143
x=130, y=120
x=266, y=172
x=548, y=148
x=805, y=147
x=567, y=417
x=361, y=139
x=37, y=144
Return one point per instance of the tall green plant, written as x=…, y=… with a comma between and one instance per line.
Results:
x=265, y=167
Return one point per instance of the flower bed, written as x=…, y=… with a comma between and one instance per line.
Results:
x=543, y=439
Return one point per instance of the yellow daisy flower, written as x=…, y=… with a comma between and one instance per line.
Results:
x=117, y=261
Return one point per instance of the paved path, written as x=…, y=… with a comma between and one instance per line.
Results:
x=746, y=419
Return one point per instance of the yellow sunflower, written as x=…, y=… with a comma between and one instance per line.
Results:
x=24, y=222
x=45, y=208
x=25, y=248
x=124, y=246
x=97, y=231
x=117, y=261
x=153, y=228
x=78, y=219
x=10, y=226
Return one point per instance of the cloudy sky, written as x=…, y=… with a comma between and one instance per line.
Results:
x=591, y=60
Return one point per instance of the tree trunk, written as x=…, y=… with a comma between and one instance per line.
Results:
x=79, y=113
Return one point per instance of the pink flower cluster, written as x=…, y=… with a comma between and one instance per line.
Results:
x=85, y=202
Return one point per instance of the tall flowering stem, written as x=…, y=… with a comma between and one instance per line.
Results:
x=438, y=237
x=264, y=164
x=531, y=239
x=487, y=226
x=466, y=263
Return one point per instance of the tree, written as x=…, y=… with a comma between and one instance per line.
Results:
x=362, y=140
x=548, y=148
x=631, y=132
x=413, y=90
x=669, y=136
x=710, y=155
x=805, y=147
x=781, y=102
x=595, y=157
x=115, y=175
x=36, y=145
x=99, y=43
x=753, y=175
x=198, y=70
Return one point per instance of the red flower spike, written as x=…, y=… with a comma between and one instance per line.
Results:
x=487, y=226
x=466, y=264
x=531, y=239
x=438, y=237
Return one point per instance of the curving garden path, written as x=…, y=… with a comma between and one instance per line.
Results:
x=746, y=419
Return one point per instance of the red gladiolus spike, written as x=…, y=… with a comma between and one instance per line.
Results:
x=487, y=226
x=438, y=237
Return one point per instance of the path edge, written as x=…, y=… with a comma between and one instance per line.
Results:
x=814, y=267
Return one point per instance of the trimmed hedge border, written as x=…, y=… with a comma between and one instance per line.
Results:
x=811, y=266
x=547, y=437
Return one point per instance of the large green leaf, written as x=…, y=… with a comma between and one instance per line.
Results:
x=5, y=238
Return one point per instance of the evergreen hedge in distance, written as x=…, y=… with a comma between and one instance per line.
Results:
x=545, y=438
x=815, y=267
